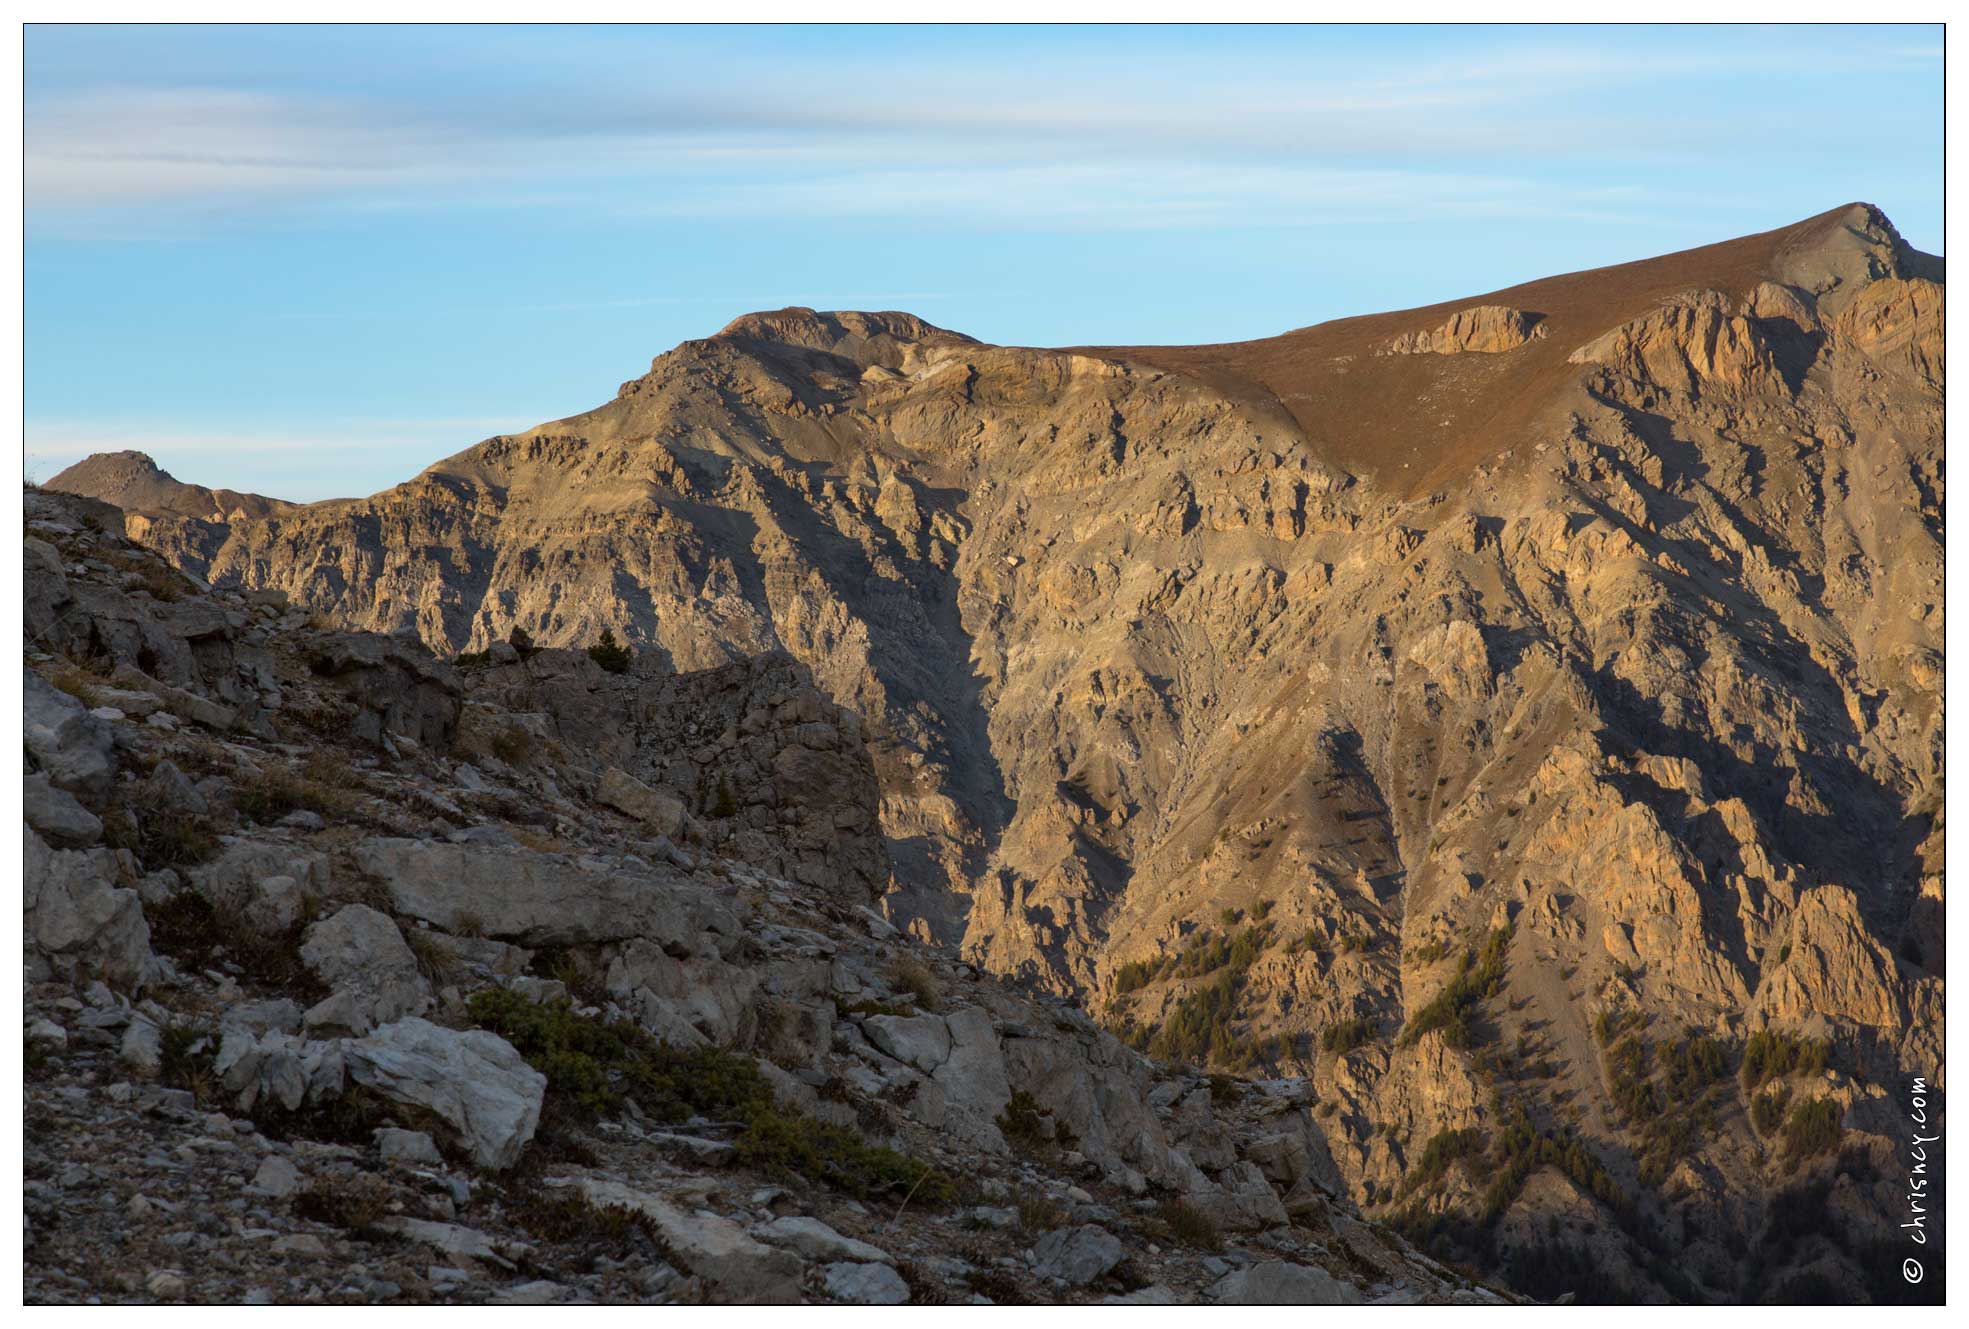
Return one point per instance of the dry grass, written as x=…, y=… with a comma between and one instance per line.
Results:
x=160, y=580
x=325, y=784
x=1040, y=1212
x=914, y=977
x=1189, y=1225
x=78, y=682
x=513, y=745
x=540, y=842
x=355, y=1202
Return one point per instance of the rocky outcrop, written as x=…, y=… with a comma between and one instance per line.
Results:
x=1484, y=329
x=540, y=899
x=1694, y=341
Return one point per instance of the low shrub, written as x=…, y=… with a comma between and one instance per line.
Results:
x=1813, y=1128
x=1767, y=1109
x=914, y=977
x=1343, y=1036
x=1444, y=1149
x=610, y=654
x=594, y=1066
x=1189, y=1225
x=1769, y=1054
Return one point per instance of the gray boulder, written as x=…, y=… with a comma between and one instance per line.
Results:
x=542, y=899
x=57, y=816
x=74, y=749
x=662, y=812
x=1077, y=1255
x=864, y=1284
x=735, y=1268
x=473, y=1080
x=1277, y=1283
x=77, y=922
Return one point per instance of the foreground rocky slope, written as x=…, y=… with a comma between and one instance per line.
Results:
x=1503, y=714
x=355, y=976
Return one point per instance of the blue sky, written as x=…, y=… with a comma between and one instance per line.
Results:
x=311, y=261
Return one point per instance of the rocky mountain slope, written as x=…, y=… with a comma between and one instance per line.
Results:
x=353, y=976
x=1516, y=716
x=141, y=487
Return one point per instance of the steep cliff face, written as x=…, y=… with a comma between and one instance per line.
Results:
x=1473, y=733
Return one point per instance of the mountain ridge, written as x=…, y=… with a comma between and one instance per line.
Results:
x=1248, y=693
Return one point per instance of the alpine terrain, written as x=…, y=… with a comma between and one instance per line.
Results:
x=1441, y=796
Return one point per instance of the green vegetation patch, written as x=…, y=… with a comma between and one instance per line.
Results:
x=1343, y=1036
x=594, y=1067
x=1444, y=1149
x=610, y=654
x=1767, y=1109
x=1675, y=1112
x=1205, y=955
x=1479, y=975
x=1813, y=1128
x=1770, y=1054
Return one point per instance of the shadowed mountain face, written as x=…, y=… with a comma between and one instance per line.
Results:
x=1497, y=712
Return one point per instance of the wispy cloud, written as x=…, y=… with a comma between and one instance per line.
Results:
x=1158, y=142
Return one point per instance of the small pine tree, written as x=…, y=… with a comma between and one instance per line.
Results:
x=520, y=641
x=610, y=654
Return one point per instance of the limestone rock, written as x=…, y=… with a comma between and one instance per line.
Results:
x=864, y=1284
x=1077, y=1255
x=817, y=1241
x=473, y=1080
x=625, y=793
x=1482, y=328
x=1278, y=1283
x=55, y=814
x=737, y=1269
x=74, y=749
